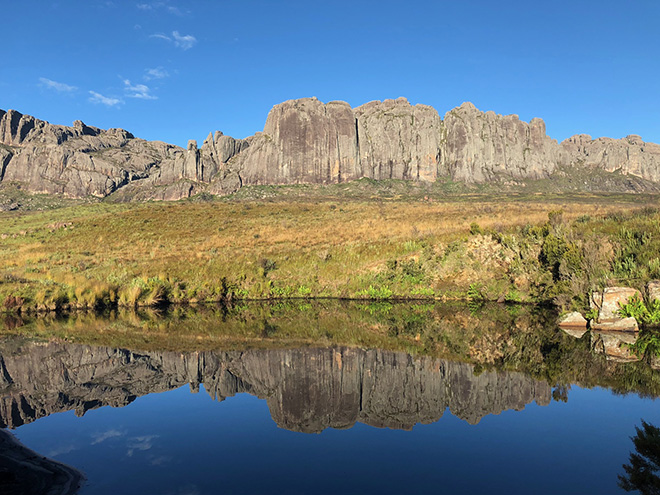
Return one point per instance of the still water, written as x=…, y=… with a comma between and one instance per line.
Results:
x=548, y=413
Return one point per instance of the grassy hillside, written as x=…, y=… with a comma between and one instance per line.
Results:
x=352, y=241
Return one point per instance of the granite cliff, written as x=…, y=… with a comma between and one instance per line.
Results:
x=306, y=141
x=306, y=389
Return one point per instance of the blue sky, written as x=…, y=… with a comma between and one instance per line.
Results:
x=175, y=70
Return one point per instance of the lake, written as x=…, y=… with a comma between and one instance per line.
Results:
x=325, y=398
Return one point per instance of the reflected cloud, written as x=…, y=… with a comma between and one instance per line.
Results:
x=64, y=449
x=101, y=437
x=142, y=443
x=160, y=460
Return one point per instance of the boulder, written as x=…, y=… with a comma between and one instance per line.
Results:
x=574, y=319
x=611, y=300
x=620, y=325
x=653, y=290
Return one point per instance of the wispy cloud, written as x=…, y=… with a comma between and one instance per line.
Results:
x=165, y=6
x=102, y=437
x=99, y=98
x=185, y=42
x=141, y=91
x=57, y=86
x=155, y=73
x=160, y=36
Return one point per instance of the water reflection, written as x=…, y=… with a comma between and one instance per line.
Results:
x=320, y=368
x=641, y=472
x=307, y=390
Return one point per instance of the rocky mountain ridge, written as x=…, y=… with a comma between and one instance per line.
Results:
x=307, y=141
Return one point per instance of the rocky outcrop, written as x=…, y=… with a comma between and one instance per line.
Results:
x=306, y=141
x=303, y=141
x=399, y=141
x=630, y=155
x=306, y=389
x=480, y=147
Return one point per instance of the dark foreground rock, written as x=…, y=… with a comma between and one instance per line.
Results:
x=24, y=472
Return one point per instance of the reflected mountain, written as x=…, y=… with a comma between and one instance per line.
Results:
x=307, y=389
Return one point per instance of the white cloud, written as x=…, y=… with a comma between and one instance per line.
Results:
x=160, y=36
x=140, y=91
x=184, y=42
x=57, y=86
x=155, y=73
x=99, y=98
x=152, y=6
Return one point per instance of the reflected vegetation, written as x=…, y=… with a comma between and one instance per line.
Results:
x=641, y=472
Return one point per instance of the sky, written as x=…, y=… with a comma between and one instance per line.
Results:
x=176, y=70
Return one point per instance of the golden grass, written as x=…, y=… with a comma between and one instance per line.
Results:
x=320, y=248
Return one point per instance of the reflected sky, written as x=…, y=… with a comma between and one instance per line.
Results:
x=178, y=442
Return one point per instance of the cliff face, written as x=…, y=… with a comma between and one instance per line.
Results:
x=306, y=390
x=306, y=141
x=482, y=146
x=630, y=155
x=84, y=161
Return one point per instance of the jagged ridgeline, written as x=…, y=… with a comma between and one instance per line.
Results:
x=306, y=141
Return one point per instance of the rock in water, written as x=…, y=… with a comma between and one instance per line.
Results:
x=574, y=319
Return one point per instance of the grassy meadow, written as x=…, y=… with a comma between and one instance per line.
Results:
x=360, y=241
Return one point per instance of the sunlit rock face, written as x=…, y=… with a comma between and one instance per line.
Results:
x=307, y=390
x=307, y=141
x=482, y=146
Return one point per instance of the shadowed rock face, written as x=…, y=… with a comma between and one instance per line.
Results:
x=306, y=390
x=306, y=141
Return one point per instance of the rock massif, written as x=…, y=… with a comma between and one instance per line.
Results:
x=307, y=390
x=306, y=141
